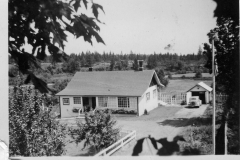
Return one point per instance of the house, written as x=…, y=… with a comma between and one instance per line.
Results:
x=202, y=90
x=128, y=90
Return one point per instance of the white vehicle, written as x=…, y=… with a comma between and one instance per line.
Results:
x=195, y=102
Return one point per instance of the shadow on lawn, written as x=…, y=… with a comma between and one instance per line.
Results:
x=168, y=147
x=183, y=122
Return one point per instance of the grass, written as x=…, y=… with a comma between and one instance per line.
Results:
x=191, y=75
x=156, y=114
x=73, y=149
x=176, y=86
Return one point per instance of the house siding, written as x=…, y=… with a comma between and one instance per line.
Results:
x=66, y=110
x=148, y=104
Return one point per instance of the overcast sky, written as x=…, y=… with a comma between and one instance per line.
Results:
x=148, y=26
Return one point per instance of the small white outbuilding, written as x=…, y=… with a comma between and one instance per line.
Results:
x=202, y=90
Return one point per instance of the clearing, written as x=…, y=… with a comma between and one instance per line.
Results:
x=191, y=75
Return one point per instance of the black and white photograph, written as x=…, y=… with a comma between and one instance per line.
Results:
x=120, y=78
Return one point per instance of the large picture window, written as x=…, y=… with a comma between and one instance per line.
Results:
x=148, y=96
x=123, y=102
x=65, y=101
x=103, y=101
x=77, y=100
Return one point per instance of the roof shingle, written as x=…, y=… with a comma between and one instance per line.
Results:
x=109, y=83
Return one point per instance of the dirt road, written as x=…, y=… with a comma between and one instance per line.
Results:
x=169, y=127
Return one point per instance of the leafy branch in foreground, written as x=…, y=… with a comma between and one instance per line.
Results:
x=43, y=25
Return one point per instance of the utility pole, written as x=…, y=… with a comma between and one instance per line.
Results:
x=213, y=99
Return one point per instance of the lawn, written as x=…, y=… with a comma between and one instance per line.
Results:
x=182, y=85
x=73, y=149
x=154, y=115
x=191, y=75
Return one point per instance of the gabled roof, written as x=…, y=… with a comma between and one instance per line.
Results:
x=110, y=83
x=203, y=85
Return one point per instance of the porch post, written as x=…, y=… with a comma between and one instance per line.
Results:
x=137, y=107
x=96, y=102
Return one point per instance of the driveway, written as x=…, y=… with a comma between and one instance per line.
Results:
x=167, y=125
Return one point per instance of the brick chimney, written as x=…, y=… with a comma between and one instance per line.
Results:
x=140, y=65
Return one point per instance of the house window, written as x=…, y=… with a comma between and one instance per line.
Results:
x=154, y=93
x=148, y=96
x=123, y=102
x=102, y=101
x=65, y=101
x=77, y=100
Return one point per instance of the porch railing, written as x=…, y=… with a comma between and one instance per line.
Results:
x=117, y=145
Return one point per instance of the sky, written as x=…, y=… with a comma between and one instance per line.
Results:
x=148, y=26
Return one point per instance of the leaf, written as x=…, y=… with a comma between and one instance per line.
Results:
x=85, y=3
x=95, y=9
x=57, y=54
x=76, y=5
x=96, y=35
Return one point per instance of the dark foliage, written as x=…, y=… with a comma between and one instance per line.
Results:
x=99, y=131
x=33, y=130
x=37, y=21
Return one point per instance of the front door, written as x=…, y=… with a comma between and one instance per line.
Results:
x=85, y=101
x=93, y=103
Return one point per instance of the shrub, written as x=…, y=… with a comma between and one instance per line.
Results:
x=183, y=77
x=99, y=131
x=59, y=85
x=32, y=129
x=145, y=112
x=198, y=74
x=183, y=103
x=200, y=139
x=170, y=76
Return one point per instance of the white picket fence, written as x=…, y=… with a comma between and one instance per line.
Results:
x=117, y=145
x=177, y=98
x=172, y=98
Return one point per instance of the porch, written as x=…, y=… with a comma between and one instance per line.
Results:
x=116, y=105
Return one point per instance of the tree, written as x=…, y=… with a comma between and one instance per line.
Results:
x=152, y=61
x=227, y=60
x=33, y=130
x=59, y=85
x=43, y=24
x=180, y=65
x=99, y=130
x=198, y=74
x=72, y=65
x=161, y=75
x=112, y=64
x=199, y=54
x=135, y=65
x=89, y=60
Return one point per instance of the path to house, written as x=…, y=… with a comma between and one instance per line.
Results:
x=162, y=122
